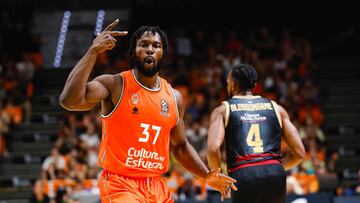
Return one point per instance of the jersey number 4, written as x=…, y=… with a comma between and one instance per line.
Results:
x=147, y=134
x=253, y=139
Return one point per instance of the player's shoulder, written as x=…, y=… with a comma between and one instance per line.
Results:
x=108, y=78
x=222, y=108
x=112, y=82
x=177, y=94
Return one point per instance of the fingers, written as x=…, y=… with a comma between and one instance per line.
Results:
x=225, y=194
x=110, y=46
x=233, y=187
x=229, y=181
x=118, y=33
x=227, y=178
x=110, y=39
x=228, y=194
x=112, y=25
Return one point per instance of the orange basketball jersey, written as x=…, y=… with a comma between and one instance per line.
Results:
x=136, y=134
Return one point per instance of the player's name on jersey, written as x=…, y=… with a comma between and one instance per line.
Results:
x=251, y=107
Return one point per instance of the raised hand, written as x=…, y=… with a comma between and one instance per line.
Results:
x=221, y=183
x=105, y=40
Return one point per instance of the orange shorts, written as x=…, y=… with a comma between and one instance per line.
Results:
x=118, y=189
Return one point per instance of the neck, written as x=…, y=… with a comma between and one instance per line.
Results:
x=244, y=93
x=152, y=82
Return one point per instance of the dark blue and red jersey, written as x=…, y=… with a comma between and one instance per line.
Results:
x=252, y=132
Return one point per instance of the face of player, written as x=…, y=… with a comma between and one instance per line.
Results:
x=149, y=52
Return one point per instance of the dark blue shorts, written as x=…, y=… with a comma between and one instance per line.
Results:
x=260, y=184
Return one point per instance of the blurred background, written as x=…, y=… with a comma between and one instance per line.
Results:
x=306, y=55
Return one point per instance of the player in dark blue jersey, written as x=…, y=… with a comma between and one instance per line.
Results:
x=252, y=127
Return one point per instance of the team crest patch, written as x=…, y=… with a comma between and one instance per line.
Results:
x=135, y=98
x=164, y=107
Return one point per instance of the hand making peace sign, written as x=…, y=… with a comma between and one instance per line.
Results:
x=105, y=40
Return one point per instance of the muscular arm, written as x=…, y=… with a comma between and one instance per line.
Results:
x=293, y=141
x=79, y=94
x=181, y=148
x=216, y=135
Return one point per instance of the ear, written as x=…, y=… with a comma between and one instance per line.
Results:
x=233, y=86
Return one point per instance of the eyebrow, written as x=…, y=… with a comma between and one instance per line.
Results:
x=145, y=40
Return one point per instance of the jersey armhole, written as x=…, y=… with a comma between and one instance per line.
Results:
x=176, y=105
x=276, y=108
x=227, y=112
x=122, y=93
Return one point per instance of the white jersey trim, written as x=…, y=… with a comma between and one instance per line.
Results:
x=152, y=90
x=176, y=105
x=122, y=93
x=227, y=112
x=276, y=108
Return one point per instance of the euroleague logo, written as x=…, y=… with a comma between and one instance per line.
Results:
x=164, y=106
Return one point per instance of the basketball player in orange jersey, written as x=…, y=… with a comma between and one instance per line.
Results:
x=142, y=120
x=252, y=128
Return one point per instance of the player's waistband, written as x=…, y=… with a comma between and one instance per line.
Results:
x=271, y=159
x=250, y=157
x=137, y=178
x=266, y=162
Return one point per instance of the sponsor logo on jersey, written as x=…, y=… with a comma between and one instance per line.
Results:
x=142, y=158
x=135, y=110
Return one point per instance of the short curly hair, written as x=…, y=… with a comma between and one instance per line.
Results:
x=245, y=76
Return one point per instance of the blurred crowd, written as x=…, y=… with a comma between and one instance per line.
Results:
x=19, y=60
x=197, y=66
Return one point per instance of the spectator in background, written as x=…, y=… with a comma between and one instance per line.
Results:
x=292, y=185
x=189, y=191
x=308, y=182
x=183, y=44
x=234, y=45
x=38, y=195
x=311, y=131
x=331, y=164
x=311, y=110
x=198, y=106
x=14, y=110
x=90, y=137
x=53, y=164
x=25, y=71
x=5, y=121
x=199, y=47
x=357, y=189
x=197, y=136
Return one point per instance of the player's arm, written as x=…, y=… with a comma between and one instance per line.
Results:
x=181, y=148
x=216, y=135
x=185, y=154
x=79, y=94
x=293, y=141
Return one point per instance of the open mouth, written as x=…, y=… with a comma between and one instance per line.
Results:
x=149, y=60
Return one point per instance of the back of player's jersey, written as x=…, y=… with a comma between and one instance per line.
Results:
x=253, y=131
